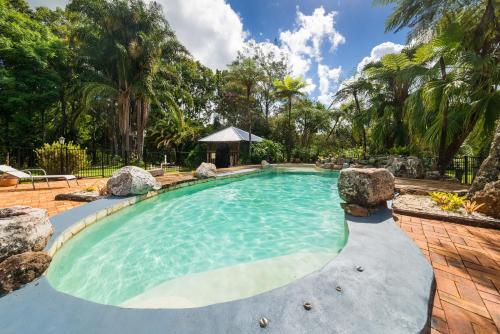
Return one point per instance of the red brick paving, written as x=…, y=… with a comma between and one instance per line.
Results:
x=467, y=269
x=43, y=196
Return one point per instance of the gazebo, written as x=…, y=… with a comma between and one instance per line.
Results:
x=224, y=146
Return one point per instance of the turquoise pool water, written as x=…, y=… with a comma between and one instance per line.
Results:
x=206, y=243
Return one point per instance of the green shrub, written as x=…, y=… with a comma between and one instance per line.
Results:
x=305, y=154
x=400, y=150
x=267, y=150
x=195, y=157
x=59, y=158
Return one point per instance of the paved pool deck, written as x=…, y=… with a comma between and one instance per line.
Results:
x=381, y=298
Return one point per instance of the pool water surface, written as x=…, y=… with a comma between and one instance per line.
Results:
x=208, y=243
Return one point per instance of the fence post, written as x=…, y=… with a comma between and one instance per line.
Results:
x=102, y=163
x=61, y=162
x=466, y=169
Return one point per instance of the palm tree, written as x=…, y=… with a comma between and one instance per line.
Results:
x=456, y=100
x=353, y=88
x=391, y=80
x=247, y=74
x=288, y=88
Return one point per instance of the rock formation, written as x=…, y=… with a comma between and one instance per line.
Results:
x=205, y=170
x=131, y=180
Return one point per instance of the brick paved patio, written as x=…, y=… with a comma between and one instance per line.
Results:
x=43, y=196
x=466, y=264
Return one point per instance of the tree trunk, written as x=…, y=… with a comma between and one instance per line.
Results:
x=289, y=135
x=490, y=168
x=43, y=126
x=249, y=112
x=442, y=164
x=124, y=120
x=142, y=112
x=358, y=107
x=64, y=113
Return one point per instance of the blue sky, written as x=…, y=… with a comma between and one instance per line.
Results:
x=358, y=21
x=325, y=41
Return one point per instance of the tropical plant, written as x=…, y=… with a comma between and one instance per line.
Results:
x=447, y=201
x=471, y=207
x=268, y=150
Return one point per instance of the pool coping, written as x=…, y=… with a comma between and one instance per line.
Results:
x=392, y=294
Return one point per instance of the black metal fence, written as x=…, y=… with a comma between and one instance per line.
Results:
x=464, y=168
x=90, y=163
x=103, y=163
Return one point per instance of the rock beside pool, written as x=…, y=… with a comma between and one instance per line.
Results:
x=410, y=167
x=355, y=210
x=367, y=187
x=265, y=164
x=79, y=196
x=131, y=180
x=490, y=197
x=23, y=268
x=23, y=229
x=205, y=171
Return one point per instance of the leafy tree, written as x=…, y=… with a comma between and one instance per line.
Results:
x=246, y=74
x=29, y=83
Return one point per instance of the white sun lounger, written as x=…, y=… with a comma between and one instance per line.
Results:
x=26, y=174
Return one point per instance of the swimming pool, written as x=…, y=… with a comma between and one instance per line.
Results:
x=205, y=244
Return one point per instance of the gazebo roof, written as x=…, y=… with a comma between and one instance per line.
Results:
x=230, y=134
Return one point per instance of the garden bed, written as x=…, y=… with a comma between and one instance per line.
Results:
x=425, y=207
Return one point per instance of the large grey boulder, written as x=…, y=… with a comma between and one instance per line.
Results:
x=265, y=164
x=20, y=269
x=23, y=229
x=410, y=167
x=490, y=197
x=131, y=180
x=205, y=170
x=367, y=187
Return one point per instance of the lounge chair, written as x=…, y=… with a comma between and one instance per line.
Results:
x=26, y=174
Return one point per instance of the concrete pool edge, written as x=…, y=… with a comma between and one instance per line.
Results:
x=391, y=295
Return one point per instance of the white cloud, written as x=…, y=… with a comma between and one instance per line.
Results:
x=210, y=29
x=303, y=44
x=378, y=52
x=327, y=76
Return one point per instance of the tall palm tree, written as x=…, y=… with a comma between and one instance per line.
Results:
x=391, y=80
x=462, y=98
x=288, y=88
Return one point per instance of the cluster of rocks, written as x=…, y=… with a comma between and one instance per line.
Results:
x=365, y=190
x=131, y=180
x=333, y=163
x=24, y=233
x=398, y=165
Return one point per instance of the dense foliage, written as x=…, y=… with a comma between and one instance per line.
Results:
x=111, y=75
